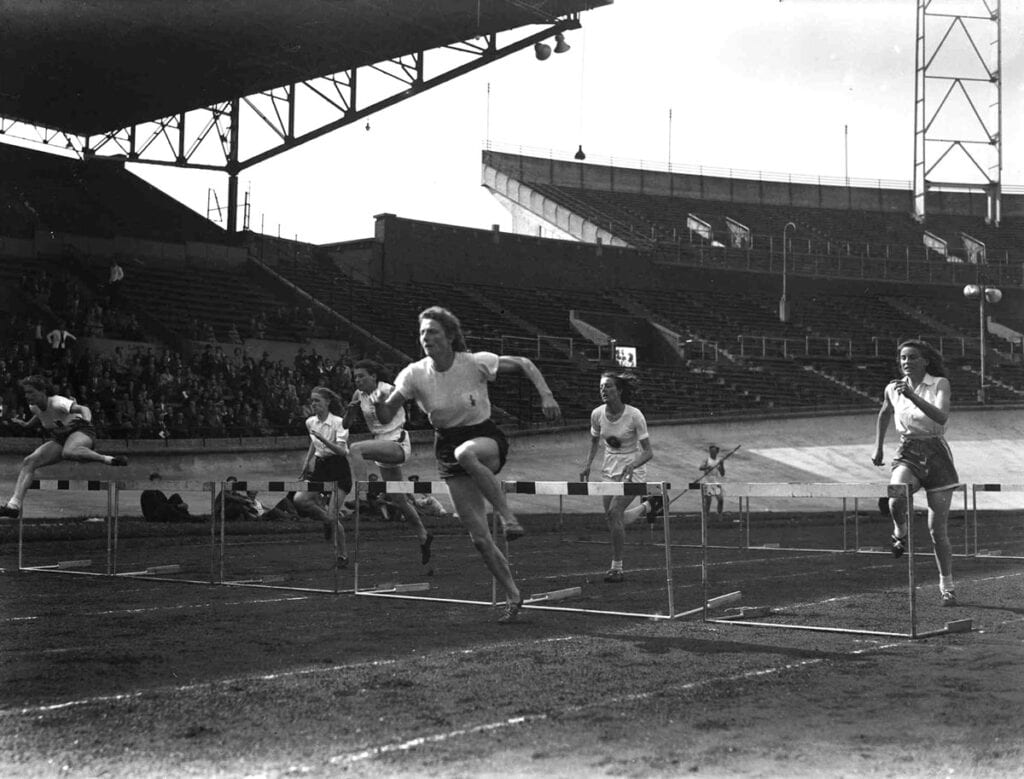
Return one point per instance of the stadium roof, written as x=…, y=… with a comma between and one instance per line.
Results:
x=92, y=67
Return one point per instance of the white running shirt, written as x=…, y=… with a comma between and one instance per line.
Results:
x=453, y=398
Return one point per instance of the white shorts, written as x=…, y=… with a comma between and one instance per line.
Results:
x=615, y=464
x=402, y=439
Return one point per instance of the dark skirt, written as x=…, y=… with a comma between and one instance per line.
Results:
x=334, y=469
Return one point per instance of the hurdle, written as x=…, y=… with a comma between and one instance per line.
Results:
x=553, y=600
x=271, y=581
x=68, y=566
x=152, y=571
x=975, y=489
x=849, y=517
x=830, y=490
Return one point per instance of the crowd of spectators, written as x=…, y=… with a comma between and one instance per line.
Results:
x=145, y=392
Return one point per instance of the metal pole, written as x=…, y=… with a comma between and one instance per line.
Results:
x=981, y=341
x=784, y=310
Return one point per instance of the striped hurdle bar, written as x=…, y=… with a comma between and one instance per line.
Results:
x=271, y=582
x=975, y=489
x=868, y=490
x=542, y=601
x=67, y=485
x=744, y=502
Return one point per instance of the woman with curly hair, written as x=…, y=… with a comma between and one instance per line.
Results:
x=919, y=402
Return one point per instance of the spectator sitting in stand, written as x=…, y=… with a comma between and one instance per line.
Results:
x=157, y=507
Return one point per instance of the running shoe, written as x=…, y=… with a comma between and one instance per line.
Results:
x=342, y=561
x=7, y=511
x=899, y=545
x=510, y=612
x=119, y=461
x=949, y=598
x=615, y=576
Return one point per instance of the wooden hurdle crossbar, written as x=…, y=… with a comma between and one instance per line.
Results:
x=540, y=601
x=858, y=490
x=989, y=487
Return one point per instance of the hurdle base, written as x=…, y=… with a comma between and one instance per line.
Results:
x=396, y=588
x=713, y=603
x=748, y=612
x=154, y=570
x=956, y=626
x=553, y=595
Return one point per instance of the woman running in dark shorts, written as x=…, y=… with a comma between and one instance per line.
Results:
x=919, y=402
x=326, y=461
x=72, y=437
x=450, y=385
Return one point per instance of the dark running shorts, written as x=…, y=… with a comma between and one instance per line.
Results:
x=448, y=440
x=930, y=460
x=60, y=435
x=334, y=468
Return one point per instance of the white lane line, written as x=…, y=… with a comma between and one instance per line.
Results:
x=401, y=746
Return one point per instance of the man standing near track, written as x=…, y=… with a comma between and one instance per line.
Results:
x=713, y=468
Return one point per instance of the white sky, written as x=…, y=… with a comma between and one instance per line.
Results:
x=752, y=85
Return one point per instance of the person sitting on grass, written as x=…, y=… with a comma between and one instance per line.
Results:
x=427, y=503
x=237, y=505
x=71, y=437
x=157, y=507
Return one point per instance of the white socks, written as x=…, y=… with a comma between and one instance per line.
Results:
x=945, y=583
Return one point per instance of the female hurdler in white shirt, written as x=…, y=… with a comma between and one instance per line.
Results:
x=450, y=385
x=627, y=450
x=919, y=402
x=71, y=437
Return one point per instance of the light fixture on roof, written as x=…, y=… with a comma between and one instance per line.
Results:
x=579, y=153
x=542, y=50
x=561, y=47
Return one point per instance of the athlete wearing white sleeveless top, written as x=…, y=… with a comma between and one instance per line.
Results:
x=919, y=403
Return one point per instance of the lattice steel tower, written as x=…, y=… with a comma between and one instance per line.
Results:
x=957, y=101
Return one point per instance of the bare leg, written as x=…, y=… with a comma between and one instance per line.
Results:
x=938, y=515
x=406, y=506
x=308, y=502
x=480, y=459
x=615, y=508
x=47, y=453
x=79, y=447
x=472, y=511
x=897, y=506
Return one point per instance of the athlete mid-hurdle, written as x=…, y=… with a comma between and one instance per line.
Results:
x=72, y=437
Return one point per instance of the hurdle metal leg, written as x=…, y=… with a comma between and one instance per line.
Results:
x=899, y=491
x=542, y=601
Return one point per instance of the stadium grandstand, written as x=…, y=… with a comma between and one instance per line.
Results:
x=221, y=333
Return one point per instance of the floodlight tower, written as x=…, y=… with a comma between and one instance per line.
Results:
x=957, y=102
